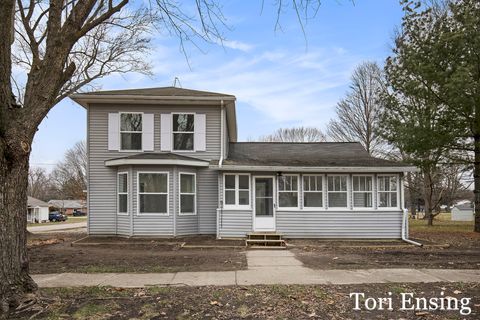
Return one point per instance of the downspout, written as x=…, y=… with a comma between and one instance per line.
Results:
x=222, y=138
x=405, y=217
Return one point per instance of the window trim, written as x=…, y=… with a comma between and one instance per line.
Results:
x=397, y=207
x=238, y=206
x=192, y=132
x=323, y=192
x=279, y=208
x=180, y=193
x=348, y=191
x=120, y=131
x=371, y=192
x=126, y=193
x=167, y=193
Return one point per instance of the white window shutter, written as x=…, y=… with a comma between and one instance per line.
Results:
x=200, y=139
x=113, y=131
x=166, y=132
x=147, y=131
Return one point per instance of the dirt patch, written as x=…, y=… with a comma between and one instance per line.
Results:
x=460, y=250
x=61, y=256
x=177, y=241
x=253, y=302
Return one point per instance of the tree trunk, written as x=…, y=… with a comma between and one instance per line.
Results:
x=14, y=278
x=427, y=196
x=476, y=173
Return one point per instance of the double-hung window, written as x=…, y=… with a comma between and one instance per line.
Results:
x=237, y=190
x=288, y=191
x=337, y=191
x=312, y=191
x=388, y=191
x=188, y=194
x=183, y=131
x=131, y=131
x=153, y=193
x=122, y=191
x=362, y=191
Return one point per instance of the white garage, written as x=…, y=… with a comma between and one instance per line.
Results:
x=463, y=212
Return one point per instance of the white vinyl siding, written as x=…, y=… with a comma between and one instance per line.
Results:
x=388, y=191
x=153, y=193
x=188, y=193
x=362, y=191
x=337, y=191
x=236, y=191
x=288, y=191
x=122, y=193
x=313, y=191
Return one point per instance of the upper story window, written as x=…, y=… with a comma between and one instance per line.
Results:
x=183, y=130
x=312, y=191
x=288, y=191
x=362, y=191
x=337, y=191
x=131, y=131
x=236, y=190
x=387, y=191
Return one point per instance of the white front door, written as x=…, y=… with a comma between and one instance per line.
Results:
x=264, y=206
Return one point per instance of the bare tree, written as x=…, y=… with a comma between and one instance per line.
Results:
x=299, y=134
x=357, y=112
x=69, y=176
x=62, y=46
x=38, y=183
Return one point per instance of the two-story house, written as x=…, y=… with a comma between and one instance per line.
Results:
x=166, y=162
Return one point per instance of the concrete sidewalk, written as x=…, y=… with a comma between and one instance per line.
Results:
x=264, y=267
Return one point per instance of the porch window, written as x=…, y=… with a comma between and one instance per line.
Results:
x=236, y=190
x=188, y=194
x=153, y=193
x=313, y=191
x=337, y=191
x=288, y=191
x=122, y=190
x=387, y=191
x=362, y=191
x=183, y=131
x=131, y=131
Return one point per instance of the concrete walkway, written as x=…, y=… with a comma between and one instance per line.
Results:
x=264, y=267
x=57, y=227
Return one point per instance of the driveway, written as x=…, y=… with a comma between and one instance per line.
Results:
x=57, y=227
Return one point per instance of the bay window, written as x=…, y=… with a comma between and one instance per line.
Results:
x=362, y=191
x=183, y=130
x=388, y=191
x=153, y=193
x=288, y=191
x=131, y=131
x=337, y=191
x=312, y=191
x=122, y=193
x=187, y=194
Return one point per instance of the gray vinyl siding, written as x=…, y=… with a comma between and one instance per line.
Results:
x=327, y=224
x=102, y=197
x=235, y=223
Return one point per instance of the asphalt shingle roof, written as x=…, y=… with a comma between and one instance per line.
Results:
x=34, y=202
x=74, y=204
x=321, y=154
x=162, y=91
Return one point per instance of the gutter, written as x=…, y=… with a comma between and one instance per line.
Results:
x=405, y=217
x=314, y=169
x=222, y=133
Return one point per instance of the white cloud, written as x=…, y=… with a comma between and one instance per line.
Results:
x=238, y=45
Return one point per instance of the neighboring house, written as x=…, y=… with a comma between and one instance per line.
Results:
x=68, y=206
x=37, y=210
x=463, y=212
x=166, y=162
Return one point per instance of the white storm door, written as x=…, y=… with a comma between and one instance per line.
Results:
x=264, y=206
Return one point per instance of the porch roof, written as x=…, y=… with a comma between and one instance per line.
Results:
x=157, y=158
x=321, y=156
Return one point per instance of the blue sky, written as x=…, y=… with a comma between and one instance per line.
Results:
x=279, y=79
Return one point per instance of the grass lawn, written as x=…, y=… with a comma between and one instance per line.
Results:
x=441, y=223
x=70, y=220
x=251, y=302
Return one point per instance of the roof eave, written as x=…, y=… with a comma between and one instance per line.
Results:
x=178, y=162
x=226, y=167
